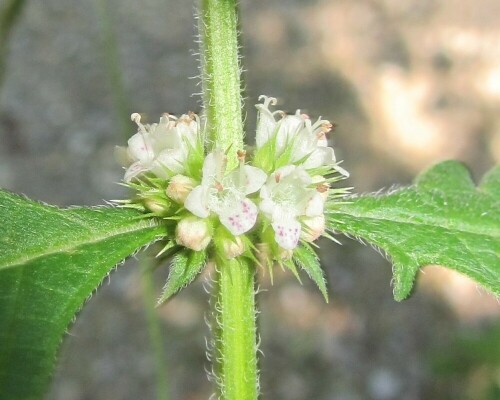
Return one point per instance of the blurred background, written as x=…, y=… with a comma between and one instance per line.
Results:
x=409, y=83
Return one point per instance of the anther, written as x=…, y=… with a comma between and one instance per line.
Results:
x=241, y=155
x=322, y=187
x=219, y=186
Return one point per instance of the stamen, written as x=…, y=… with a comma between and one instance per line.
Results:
x=219, y=186
x=185, y=119
x=136, y=117
x=241, y=155
x=268, y=100
x=326, y=127
x=323, y=187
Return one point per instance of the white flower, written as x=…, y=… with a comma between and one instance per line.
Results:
x=159, y=148
x=225, y=195
x=308, y=141
x=286, y=198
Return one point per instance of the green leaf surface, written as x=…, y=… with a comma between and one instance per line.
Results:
x=305, y=257
x=443, y=219
x=51, y=260
x=185, y=266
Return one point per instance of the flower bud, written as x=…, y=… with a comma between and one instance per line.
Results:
x=313, y=228
x=233, y=247
x=157, y=205
x=179, y=187
x=193, y=233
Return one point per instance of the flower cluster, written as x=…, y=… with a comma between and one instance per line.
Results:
x=266, y=208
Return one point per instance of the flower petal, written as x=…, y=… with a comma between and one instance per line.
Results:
x=289, y=126
x=247, y=179
x=239, y=216
x=165, y=137
x=134, y=170
x=140, y=148
x=314, y=206
x=214, y=167
x=287, y=232
x=187, y=126
x=320, y=156
x=266, y=124
x=169, y=162
x=197, y=201
x=303, y=144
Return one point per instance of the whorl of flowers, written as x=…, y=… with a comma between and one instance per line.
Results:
x=269, y=208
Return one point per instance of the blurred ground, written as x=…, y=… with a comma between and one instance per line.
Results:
x=408, y=83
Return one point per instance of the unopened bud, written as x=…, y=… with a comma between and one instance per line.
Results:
x=157, y=206
x=179, y=188
x=193, y=233
x=233, y=247
x=313, y=228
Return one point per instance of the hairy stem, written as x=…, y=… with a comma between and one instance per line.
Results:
x=235, y=332
x=9, y=15
x=221, y=75
x=109, y=49
x=234, y=352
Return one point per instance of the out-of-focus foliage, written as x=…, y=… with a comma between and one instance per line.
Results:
x=471, y=361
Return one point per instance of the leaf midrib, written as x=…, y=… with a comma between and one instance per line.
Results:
x=490, y=233
x=74, y=245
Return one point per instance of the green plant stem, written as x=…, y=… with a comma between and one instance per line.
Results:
x=235, y=332
x=109, y=49
x=221, y=75
x=154, y=328
x=9, y=15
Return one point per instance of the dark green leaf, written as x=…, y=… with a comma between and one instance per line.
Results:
x=443, y=219
x=50, y=262
x=185, y=266
x=306, y=258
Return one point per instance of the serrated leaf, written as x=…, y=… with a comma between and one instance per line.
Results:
x=306, y=258
x=291, y=266
x=185, y=266
x=443, y=220
x=51, y=260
